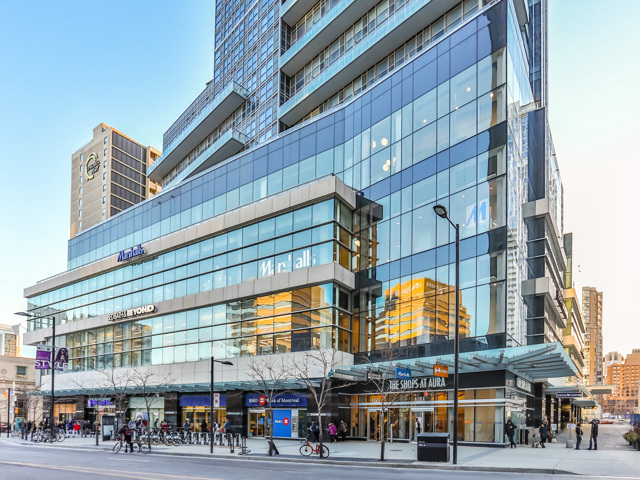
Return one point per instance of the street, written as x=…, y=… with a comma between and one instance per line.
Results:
x=73, y=461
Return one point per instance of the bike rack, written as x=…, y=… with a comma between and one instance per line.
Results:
x=243, y=448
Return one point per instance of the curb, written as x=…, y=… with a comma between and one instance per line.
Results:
x=374, y=463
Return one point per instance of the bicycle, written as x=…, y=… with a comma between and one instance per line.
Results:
x=136, y=445
x=307, y=449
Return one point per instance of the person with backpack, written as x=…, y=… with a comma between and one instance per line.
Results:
x=579, y=434
x=126, y=431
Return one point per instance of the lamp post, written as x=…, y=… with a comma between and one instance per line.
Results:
x=441, y=211
x=51, y=364
x=223, y=362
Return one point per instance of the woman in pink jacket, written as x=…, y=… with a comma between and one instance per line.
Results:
x=333, y=433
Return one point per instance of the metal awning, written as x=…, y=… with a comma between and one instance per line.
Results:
x=586, y=403
x=601, y=389
x=531, y=362
x=179, y=388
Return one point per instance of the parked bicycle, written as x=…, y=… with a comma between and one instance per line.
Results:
x=308, y=450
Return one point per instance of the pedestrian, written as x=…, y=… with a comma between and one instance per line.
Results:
x=578, y=436
x=187, y=425
x=315, y=428
x=23, y=430
x=343, y=430
x=76, y=429
x=510, y=430
x=125, y=430
x=593, y=439
x=203, y=426
x=333, y=433
x=417, y=427
x=227, y=425
x=544, y=433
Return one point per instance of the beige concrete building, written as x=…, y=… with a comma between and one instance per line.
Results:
x=18, y=375
x=593, y=355
x=108, y=175
x=625, y=375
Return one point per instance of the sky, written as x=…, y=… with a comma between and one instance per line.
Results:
x=67, y=66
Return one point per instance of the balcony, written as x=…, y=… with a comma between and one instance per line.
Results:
x=205, y=122
x=318, y=37
x=230, y=143
x=395, y=31
x=292, y=11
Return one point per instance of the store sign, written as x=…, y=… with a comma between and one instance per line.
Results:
x=440, y=371
x=403, y=374
x=92, y=166
x=569, y=395
x=132, y=312
x=286, y=263
x=98, y=403
x=280, y=400
x=418, y=383
x=523, y=384
x=281, y=423
x=130, y=253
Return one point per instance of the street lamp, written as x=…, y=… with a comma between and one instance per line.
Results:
x=51, y=364
x=441, y=211
x=223, y=362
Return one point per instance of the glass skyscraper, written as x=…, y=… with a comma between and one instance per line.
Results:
x=297, y=214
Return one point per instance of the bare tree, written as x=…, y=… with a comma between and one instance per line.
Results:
x=378, y=377
x=149, y=385
x=315, y=369
x=118, y=382
x=271, y=375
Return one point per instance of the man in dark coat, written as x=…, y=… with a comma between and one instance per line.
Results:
x=510, y=430
x=593, y=439
x=544, y=433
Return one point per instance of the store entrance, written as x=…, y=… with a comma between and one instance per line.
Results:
x=373, y=424
x=256, y=423
x=425, y=417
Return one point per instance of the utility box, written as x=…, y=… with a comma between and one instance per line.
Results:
x=433, y=447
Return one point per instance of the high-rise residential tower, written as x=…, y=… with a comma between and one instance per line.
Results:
x=593, y=349
x=298, y=214
x=108, y=175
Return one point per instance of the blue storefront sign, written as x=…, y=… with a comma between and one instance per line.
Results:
x=280, y=400
x=282, y=423
x=403, y=374
x=200, y=400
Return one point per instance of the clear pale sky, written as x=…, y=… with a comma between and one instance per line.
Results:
x=136, y=65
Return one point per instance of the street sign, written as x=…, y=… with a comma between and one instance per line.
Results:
x=571, y=426
x=216, y=400
x=403, y=373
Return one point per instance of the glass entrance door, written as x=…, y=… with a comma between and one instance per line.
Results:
x=373, y=424
x=426, y=420
x=256, y=423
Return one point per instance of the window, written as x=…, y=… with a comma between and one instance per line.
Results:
x=81, y=164
x=104, y=212
x=80, y=225
x=105, y=140
x=80, y=191
x=81, y=157
x=104, y=164
x=80, y=202
x=21, y=372
x=104, y=176
x=104, y=199
x=80, y=213
x=80, y=178
x=104, y=187
x=105, y=152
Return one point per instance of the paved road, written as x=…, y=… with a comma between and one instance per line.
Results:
x=30, y=462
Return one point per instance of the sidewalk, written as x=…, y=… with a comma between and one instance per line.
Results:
x=615, y=460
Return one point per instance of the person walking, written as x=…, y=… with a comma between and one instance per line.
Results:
x=76, y=429
x=314, y=429
x=578, y=436
x=23, y=430
x=544, y=433
x=333, y=433
x=510, y=430
x=125, y=430
x=593, y=439
x=343, y=430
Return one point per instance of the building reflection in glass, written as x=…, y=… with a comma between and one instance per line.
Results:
x=418, y=311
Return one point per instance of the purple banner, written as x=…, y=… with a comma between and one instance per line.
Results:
x=43, y=359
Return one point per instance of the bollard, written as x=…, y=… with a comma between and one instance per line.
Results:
x=237, y=439
x=230, y=440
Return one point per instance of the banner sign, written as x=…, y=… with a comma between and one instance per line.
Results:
x=279, y=400
x=61, y=363
x=282, y=423
x=403, y=374
x=95, y=403
x=43, y=357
